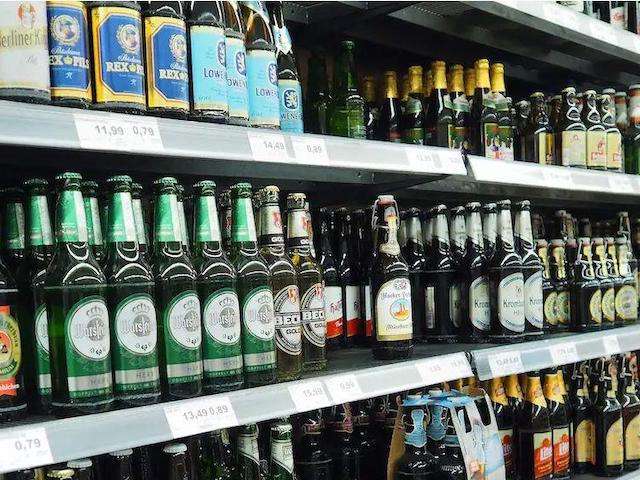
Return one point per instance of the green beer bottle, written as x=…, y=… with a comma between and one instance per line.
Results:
x=39, y=239
x=346, y=110
x=78, y=318
x=281, y=464
x=13, y=234
x=248, y=453
x=130, y=296
x=254, y=292
x=284, y=282
x=180, y=332
x=225, y=220
x=94, y=223
x=184, y=231
x=314, y=329
x=216, y=282
x=139, y=219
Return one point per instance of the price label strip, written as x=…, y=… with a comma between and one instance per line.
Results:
x=344, y=388
x=103, y=132
x=620, y=183
x=24, y=448
x=310, y=150
x=200, y=415
x=503, y=364
x=429, y=160
x=611, y=344
x=564, y=353
x=309, y=396
x=444, y=369
x=268, y=147
x=558, y=178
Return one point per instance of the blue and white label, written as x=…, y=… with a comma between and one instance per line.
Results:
x=290, y=98
x=237, y=93
x=282, y=38
x=262, y=76
x=208, y=68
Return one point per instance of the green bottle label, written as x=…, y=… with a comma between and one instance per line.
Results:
x=243, y=226
x=207, y=227
x=43, y=368
x=167, y=219
x=222, y=350
x=121, y=223
x=94, y=227
x=135, y=359
x=71, y=220
x=88, y=346
x=14, y=226
x=258, y=345
x=183, y=336
x=414, y=136
x=138, y=218
x=39, y=222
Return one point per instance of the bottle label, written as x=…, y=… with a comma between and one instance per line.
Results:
x=479, y=311
x=287, y=313
x=222, y=350
x=596, y=149
x=257, y=336
x=182, y=322
x=506, y=439
x=627, y=302
x=39, y=222
x=617, y=17
x=138, y=219
x=563, y=307
x=24, y=46
x=14, y=237
x=614, y=443
x=632, y=439
x=505, y=137
x=608, y=305
x=550, y=308
x=135, y=358
x=455, y=304
x=574, y=146
x=368, y=310
x=561, y=449
x=94, y=227
x=393, y=311
x=88, y=346
x=208, y=68
x=71, y=225
x=43, y=367
x=117, y=55
x=595, y=306
x=237, y=92
x=352, y=299
x=290, y=99
x=166, y=58
x=313, y=323
x=333, y=311
x=583, y=441
x=533, y=307
x=262, y=76
x=430, y=306
x=491, y=141
x=282, y=454
x=167, y=224
x=511, y=302
x=348, y=121
x=542, y=455
x=614, y=151
x=248, y=447
x=121, y=222
x=10, y=353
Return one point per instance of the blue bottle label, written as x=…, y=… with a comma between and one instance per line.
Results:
x=290, y=97
x=208, y=68
x=262, y=75
x=69, y=50
x=167, y=73
x=117, y=55
x=237, y=94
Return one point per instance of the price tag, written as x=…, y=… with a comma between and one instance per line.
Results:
x=200, y=415
x=620, y=183
x=309, y=396
x=443, y=369
x=603, y=31
x=424, y=159
x=611, y=344
x=560, y=15
x=344, y=388
x=506, y=363
x=310, y=150
x=268, y=147
x=564, y=353
x=559, y=177
x=24, y=448
x=104, y=132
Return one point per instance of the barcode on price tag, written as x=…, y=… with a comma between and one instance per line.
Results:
x=310, y=150
x=611, y=344
x=620, y=183
x=443, y=369
x=103, y=132
x=344, y=388
x=24, y=448
x=564, y=353
x=503, y=364
x=309, y=396
x=200, y=415
x=268, y=147
x=558, y=177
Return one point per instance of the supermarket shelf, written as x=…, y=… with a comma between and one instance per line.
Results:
x=625, y=476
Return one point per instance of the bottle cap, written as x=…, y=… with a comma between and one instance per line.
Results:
x=75, y=175
x=60, y=473
x=35, y=182
x=89, y=185
x=122, y=453
x=119, y=179
x=80, y=463
x=297, y=200
x=165, y=181
x=174, y=448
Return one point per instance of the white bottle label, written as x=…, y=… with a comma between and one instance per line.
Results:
x=222, y=318
x=136, y=325
x=258, y=314
x=184, y=322
x=479, y=305
x=89, y=330
x=533, y=303
x=393, y=311
x=511, y=302
x=286, y=305
x=314, y=327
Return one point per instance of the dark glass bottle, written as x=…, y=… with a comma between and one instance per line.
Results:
x=13, y=232
x=348, y=271
x=94, y=224
x=371, y=112
x=317, y=98
x=390, y=110
x=630, y=404
x=596, y=151
x=606, y=107
x=618, y=281
x=538, y=136
x=505, y=419
x=344, y=451
x=459, y=110
x=333, y=309
x=601, y=271
x=363, y=438
x=484, y=120
x=457, y=242
x=346, y=110
x=413, y=254
x=609, y=426
x=559, y=420
x=570, y=133
x=583, y=428
x=586, y=296
x=218, y=461
x=503, y=113
x=438, y=116
x=521, y=119
x=312, y=460
x=489, y=228
x=561, y=283
x=549, y=295
x=413, y=118
x=627, y=299
x=477, y=280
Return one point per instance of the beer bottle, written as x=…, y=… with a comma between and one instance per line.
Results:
x=452, y=462
x=559, y=420
x=627, y=298
x=520, y=122
x=312, y=460
x=416, y=261
x=470, y=84
x=596, y=366
x=317, y=97
x=13, y=231
x=144, y=465
x=503, y=113
x=427, y=81
x=284, y=283
x=207, y=61
x=165, y=52
x=609, y=431
x=92, y=213
x=606, y=108
x=254, y=292
x=413, y=119
x=344, y=452
x=216, y=284
x=53, y=473
x=175, y=462
x=601, y=271
x=624, y=230
x=371, y=113
x=333, y=309
x=459, y=110
x=477, y=280
x=489, y=228
x=390, y=287
x=438, y=121
x=505, y=417
x=236, y=67
x=620, y=106
x=390, y=111
x=555, y=106
x=119, y=464
x=596, y=152
x=309, y=275
x=218, y=462
x=561, y=284
x=439, y=416
x=363, y=438
x=538, y=136
x=484, y=135
x=130, y=297
x=281, y=464
x=515, y=397
x=82, y=468
x=346, y=110
x=348, y=271
x=549, y=295
x=182, y=220
x=224, y=200
x=506, y=281
x=248, y=454
x=457, y=242
x=586, y=295
x=618, y=282
x=364, y=247
x=139, y=219
x=583, y=428
x=78, y=317
x=570, y=133
x=177, y=300
x=402, y=231
x=630, y=404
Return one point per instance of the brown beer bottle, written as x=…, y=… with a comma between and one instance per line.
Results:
x=628, y=398
x=438, y=119
x=538, y=137
x=609, y=431
x=570, y=133
x=349, y=279
x=618, y=281
x=583, y=428
x=474, y=266
x=503, y=113
x=390, y=111
x=559, y=420
x=549, y=295
x=596, y=151
x=586, y=296
x=484, y=121
x=606, y=282
x=505, y=421
x=459, y=110
x=333, y=313
x=417, y=263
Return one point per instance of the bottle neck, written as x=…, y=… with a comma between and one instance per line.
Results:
x=387, y=231
x=390, y=87
x=14, y=227
x=297, y=232
x=505, y=229
x=207, y=227
x=490, y=226
x=523, y=230
x=497, y=82
x=457, y=82
x=458, y=231
x=141, y=227
x=94, y=227
x=482, y=79
x=121, y=219
x=474, y=229
x=243, y=229
x=440, y=230
x=534, y=391
x=39, y=222
x=71, y=220
x=440, y=79
x=414, y=231
x=345, y=72
x=167, y=220
x=271, y=226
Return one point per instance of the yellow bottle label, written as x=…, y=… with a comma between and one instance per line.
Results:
x=614, y=444
x=632, y=439
x=563, y=307
x=614, y=151
x=608, y=305
x=550, y=308
x=627, y=302
x=596, y=149
x=574, y=145
x=595, y=306
x=583, y=441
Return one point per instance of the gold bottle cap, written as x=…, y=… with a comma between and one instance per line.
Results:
x=369, y=88
x=415, y=79
x=439, y=77
x=390, y=84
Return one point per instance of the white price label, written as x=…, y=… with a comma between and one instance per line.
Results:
x=503, y=364
x=560, y=15
x=611, y=344
x=344, y=388
x=104, y=132
x=310, y=150
x=603, y=31
x=564, y=353
x=200, y=415
x=444, y=369
x=24, y=448
x=620, y=183
x=309, y=396
x=559, y=177
x=268, y=147
x=430, y=160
